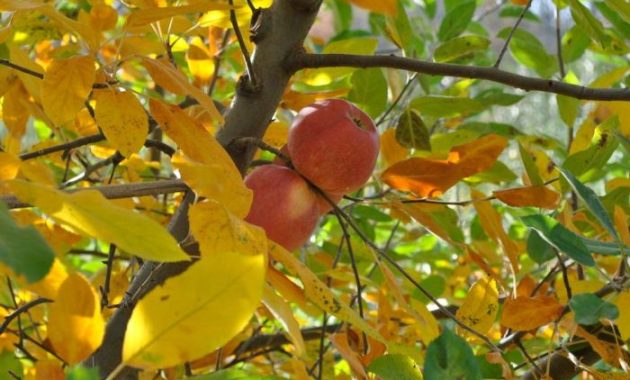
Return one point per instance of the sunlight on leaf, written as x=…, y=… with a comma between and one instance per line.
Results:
x=166, y=75
x=147, y=16
x=122, y=118
x=282, y=312
x=209, y=303
x=90, y=214
x=66, y=85
x=75, y=325
x=480, y=307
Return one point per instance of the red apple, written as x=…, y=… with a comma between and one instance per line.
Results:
x=324, y=206
x=284, y=205
x=334, y=144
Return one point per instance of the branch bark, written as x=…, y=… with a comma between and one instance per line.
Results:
x=302, y=60
x=279, y=31
x=126, y=190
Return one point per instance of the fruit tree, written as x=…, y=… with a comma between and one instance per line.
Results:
x=268, y=189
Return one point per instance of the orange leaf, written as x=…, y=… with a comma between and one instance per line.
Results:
x=478, y=155
x=491, y=223
x=427, y=177
x=527, y=313
x=391, y=150
x=387, y=7
x=530, y=196
x=422, y=176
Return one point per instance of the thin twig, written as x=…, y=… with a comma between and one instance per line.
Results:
x=565, y=274
x=217, y=61
x=559, y=43
x=241, y=43
x=7, y=63
x=302, y=60
x=407, y=86
x=108, y=276
x=509, y=37
x=82, y=141
x=20, y=310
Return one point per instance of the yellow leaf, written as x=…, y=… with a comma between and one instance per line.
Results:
x=66, y=85
x=621, y=223
x=193, y=139
x=171, y=79
x=387, y=7
x=391, y=150
x=14, y=110
x=623, y=321
x=217, y=230
x=222, y=184
x=75, y=325
x=276, y=134
x=79, y=29
x=9, y=166
x=430, y=177
x=208, y=304
x=283, y=313
x=18, y=5
x=147, y=16
x=122, y=119
x=200, y=60
x=527, y=313
x=491, y=223
x=622, y=110
x=49, y=286
x=103, y=16
x=422, y=213
x=480, y=307
x=31, y=83
x=90, y=214
x=320, y=294
x=221, y=18
x=531, y=196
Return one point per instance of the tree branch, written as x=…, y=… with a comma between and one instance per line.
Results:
x=126, y=190
x=302, y=60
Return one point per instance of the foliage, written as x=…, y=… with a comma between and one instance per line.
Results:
x=492, y=236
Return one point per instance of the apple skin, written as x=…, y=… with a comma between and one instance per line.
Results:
x=324, y=206
x=284, y=205
x=334, y=144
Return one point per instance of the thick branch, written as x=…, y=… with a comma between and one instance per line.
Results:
x=303, y=60
x=127, y=190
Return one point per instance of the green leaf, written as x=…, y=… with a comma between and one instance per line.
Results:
x=395, y=367
x=538, y=249
x=530, y=166
x=459, y=47
x=574, y=44
x=592, y=202
x=450, y=357
x=434, y=284
x=9, y=365
x=411, y=132
x=604, y=247
x=456, y=21
x=369, y=91
x=615, y=18
x=589, y=23
x=23, y=249
x=233, y=374
x=560, y=237
x=82, y=373
x=515, y=12
x=446, y=106
x=603, y=145
x=622, y=7
x=589, y=309
x=530, y=52
x=496, y=96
